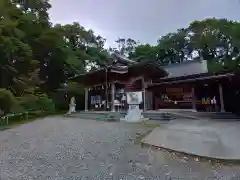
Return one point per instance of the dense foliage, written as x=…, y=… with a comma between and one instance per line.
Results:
x=37, y=57
x=215, y=40
x=8, y=102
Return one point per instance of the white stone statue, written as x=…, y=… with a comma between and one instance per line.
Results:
x=134, y=114
x=72, y=105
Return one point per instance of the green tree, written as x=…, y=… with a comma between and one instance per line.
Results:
x=125, y=46
x=16, y=55
x=215, y=40
x=144, y=52
x=34, y=53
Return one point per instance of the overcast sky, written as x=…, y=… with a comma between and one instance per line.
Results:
x=143, y=20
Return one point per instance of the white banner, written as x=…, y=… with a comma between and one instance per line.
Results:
x=134, y=97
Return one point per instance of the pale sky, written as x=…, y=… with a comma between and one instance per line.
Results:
x=143, y=20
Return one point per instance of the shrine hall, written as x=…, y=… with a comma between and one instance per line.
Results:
x=185, y=85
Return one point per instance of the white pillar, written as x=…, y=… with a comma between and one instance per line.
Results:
x=113, y=96
x=86, y=99
x=193, y=99
x=221, y=97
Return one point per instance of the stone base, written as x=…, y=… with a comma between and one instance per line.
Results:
x=72, y=109
x=144, y=119
x=134, y=114
x=139, y=121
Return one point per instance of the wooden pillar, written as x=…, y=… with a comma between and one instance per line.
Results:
x=113, y=96
x=86, y=99
x=193, y=99
x=144, y=94
x=221, y=97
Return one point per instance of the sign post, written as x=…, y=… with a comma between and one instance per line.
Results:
x=134, y=114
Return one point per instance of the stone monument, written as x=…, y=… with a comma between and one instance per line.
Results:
x=134, y=114
x=72, y=106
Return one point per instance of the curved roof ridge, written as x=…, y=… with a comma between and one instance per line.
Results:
x=122, y=58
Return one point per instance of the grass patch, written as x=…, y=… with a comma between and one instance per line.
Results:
x=34, y=115
x=150, y=124
x=140, y=136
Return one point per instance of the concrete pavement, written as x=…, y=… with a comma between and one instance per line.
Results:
x=212, y=139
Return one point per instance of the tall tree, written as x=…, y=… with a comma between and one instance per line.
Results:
x=16, y=55
x=31, y=48
x=215, y=40
x=125, y=46
x=144, y=52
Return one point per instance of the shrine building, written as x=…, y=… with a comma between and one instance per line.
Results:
x=186, y=85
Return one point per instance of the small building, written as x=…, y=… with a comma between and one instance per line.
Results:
x=190, y=85
x=186, y=85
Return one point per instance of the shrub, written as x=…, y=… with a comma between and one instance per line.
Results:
x=39, y=102
x=60, y=100
x=28, y=102
x=45, y=103
x=8, y=101
x=63, y=95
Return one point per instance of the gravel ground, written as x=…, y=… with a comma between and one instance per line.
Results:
x=65, y=148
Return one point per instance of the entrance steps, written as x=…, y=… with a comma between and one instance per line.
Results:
x=169, y=114
x=191, y=114
x=116, y=116
x=156, y=115
x=213, y=115
x=98, y=115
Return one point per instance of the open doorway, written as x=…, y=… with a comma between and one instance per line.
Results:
x=208, y=99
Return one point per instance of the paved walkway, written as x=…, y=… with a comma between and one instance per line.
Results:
x=214, y=139
x=60, y=148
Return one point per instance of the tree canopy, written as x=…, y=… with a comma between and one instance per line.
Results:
x=36, y=53
x=214, y=40
x=39, y=56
